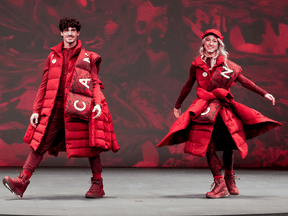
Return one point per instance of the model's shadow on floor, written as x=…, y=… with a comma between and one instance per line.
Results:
x=249, y=197
x=203, y=196
x=186, y=196
x=81, y=197
x=59, y=197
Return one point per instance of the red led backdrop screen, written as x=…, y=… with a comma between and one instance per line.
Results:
x=147, y=49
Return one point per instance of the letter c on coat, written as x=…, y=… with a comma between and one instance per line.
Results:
x=77, y=108
x=206, y=112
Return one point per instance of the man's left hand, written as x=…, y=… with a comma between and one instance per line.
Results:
x=97, y=108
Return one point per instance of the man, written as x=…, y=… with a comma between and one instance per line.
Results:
x=62, y=117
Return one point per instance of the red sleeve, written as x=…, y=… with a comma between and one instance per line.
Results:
x=251, y=85
x=96, y=83
x=187, y=87
x=42, y=88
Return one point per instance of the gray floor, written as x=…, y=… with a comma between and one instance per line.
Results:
x=60, y=191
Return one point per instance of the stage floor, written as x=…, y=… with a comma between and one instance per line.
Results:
x=141, y=191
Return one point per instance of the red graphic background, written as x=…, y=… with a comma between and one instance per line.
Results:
x=147, y=49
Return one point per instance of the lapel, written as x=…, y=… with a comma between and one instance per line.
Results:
x=206, y=77
x=200, y=63
x=58, y=49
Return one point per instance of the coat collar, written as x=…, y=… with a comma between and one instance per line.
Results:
x=59, y=47
x=198, y=62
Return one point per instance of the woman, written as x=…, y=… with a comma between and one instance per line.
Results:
x=214, y=121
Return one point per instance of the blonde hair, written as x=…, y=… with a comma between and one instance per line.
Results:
x=220, y=51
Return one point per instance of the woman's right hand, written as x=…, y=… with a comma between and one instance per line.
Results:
x=177, y=112
x=34, y=119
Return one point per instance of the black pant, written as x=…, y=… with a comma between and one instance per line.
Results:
x=55, y=126
x=220, y=140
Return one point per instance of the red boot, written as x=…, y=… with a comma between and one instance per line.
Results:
x=220, y=189
x=231, y=184
x=96, y=189
x=17, y=185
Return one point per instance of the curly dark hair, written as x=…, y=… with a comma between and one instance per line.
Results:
x=67, y=22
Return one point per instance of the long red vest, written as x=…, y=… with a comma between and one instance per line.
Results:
x=77, y=133
x=196, y=124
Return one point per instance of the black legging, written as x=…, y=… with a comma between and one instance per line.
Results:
x=220, y=140
x=214, y=162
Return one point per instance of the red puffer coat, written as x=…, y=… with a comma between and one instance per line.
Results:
x=82, y=138
x=196, y=124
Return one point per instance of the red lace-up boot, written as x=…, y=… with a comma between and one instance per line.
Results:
x=96, y=189
x=17, y=185
x=220, y=189
x=231, y=184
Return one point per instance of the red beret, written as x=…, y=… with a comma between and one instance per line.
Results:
x=214, y=32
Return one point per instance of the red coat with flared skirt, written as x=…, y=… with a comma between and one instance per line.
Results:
x=196, y=124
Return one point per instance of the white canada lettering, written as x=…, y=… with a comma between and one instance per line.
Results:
x=224, y=73
x=77, y=108
x=87, y=58
x=206, y=112
x=85, y=82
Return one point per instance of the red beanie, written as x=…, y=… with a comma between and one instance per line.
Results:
x=214, y=32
